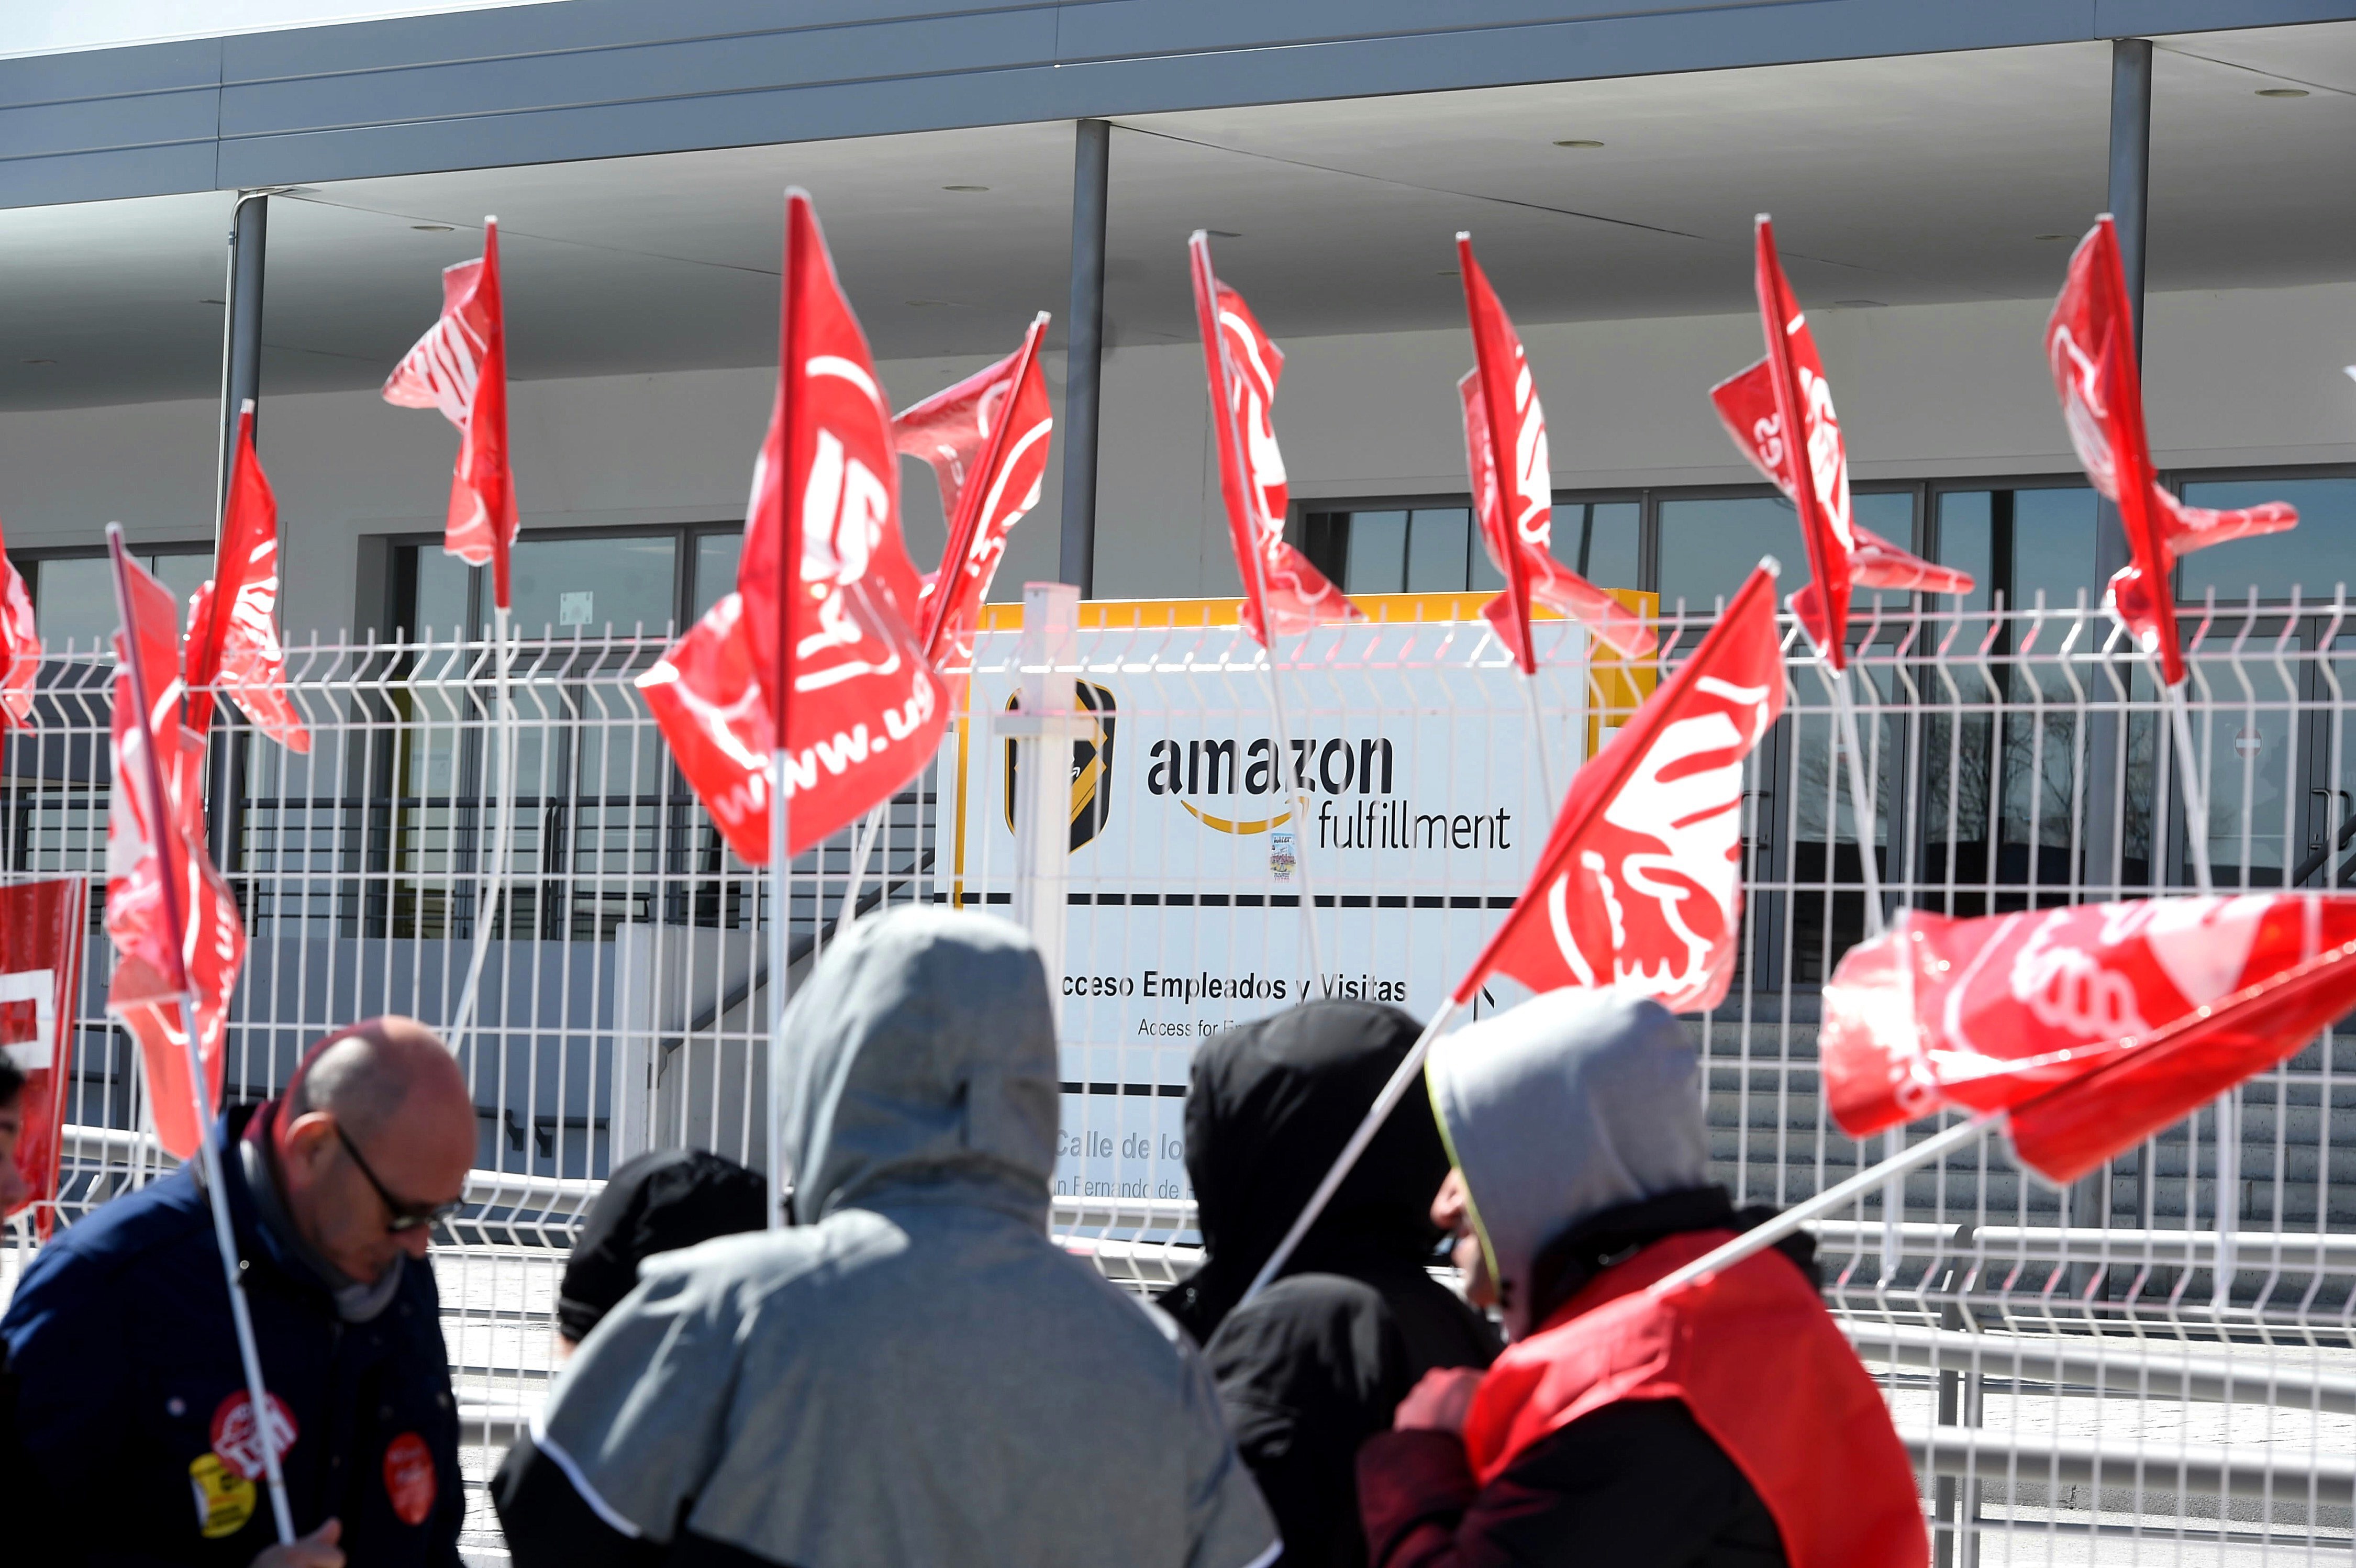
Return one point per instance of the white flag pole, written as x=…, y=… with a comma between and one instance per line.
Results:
x=847, y=912
x=1537, y=733
x=780, y=962
x=490, y=883
x=1862, y=803
x=208, y=1161
x=1292, y=789
x=2188, y=773
x=1839, y=1195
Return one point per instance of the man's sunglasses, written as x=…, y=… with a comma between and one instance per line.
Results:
x=406, y=1215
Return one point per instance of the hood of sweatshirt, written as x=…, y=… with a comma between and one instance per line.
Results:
x=1571, y=1104
x=921, y=1068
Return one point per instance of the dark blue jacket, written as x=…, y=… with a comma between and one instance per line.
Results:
x=121, y=1352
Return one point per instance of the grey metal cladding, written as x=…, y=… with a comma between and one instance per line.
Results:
x=109, y=73
x=108, y=174
x=574, y=26
x=116, y=123
x=583, y=79
x=1115, y=29
x=2139, y=18
x=811, y=56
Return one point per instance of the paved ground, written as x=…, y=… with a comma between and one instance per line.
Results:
x=499, y=1304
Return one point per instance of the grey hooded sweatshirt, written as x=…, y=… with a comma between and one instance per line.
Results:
x=913, y=1373
x=1574, y=1103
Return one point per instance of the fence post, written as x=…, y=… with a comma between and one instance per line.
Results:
x=1041, y=734
x=629, y=1113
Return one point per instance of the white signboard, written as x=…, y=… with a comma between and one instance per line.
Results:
x=1414, y=814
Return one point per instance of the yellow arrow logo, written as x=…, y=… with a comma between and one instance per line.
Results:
x=1226, y=826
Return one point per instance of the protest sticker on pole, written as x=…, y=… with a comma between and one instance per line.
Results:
x=41, y=926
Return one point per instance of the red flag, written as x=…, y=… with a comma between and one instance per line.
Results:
x=461, y=367
x=2090, y=345
x=1521, y=544
x=1783, y=392
x=1640, y=883
x=2094, y=1025
x=1746, y=403
x=827, y=595
x=1283, y=594
x=987, y=440
x=157, y=875
x=705, y=695
x=41, y=924
x=237, y=648
x=20, y=646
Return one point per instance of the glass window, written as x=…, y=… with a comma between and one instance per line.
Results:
x=183, y=574
x=1437, y=550
x=1966, y=539
x=586, y=586
x=2053, y=547
x=1481, y=574
x=443, y=581
x=2316, y=556
x=1437, y=542
x=1708, y=546
x=1599, y=540
x=73, y=597
x=73, y=600
x=1891, y=514
x=1376, y=558
x=717, y=555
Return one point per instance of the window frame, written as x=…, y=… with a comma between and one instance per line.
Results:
x=399, y=607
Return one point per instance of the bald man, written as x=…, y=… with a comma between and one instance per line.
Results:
x=133, y=1440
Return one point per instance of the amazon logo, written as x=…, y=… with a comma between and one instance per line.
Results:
x=1092, y=764
x=1235, y=786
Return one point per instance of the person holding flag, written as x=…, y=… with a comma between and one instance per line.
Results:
x=133, y=1434
x=910, y=1372
x=1730, y=1423
x=1639, y=886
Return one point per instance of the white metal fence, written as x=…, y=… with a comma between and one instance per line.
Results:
x=2054, y=1357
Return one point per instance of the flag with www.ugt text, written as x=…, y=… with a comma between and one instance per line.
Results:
x=818, y=644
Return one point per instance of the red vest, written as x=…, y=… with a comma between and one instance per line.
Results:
x=1760, y=1363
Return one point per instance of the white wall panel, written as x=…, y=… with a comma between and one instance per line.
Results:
x=2239, y=378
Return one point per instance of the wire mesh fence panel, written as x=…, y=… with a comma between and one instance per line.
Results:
x=1234, y=833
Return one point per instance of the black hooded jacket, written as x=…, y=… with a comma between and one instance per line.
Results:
x=1319, y=1361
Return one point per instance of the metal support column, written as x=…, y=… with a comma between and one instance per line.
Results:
x=1084, y=360
x=2130, y=182
x=249, y=232
x=2130, y=189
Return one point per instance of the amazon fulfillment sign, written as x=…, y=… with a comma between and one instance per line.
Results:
x=1222, y=867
